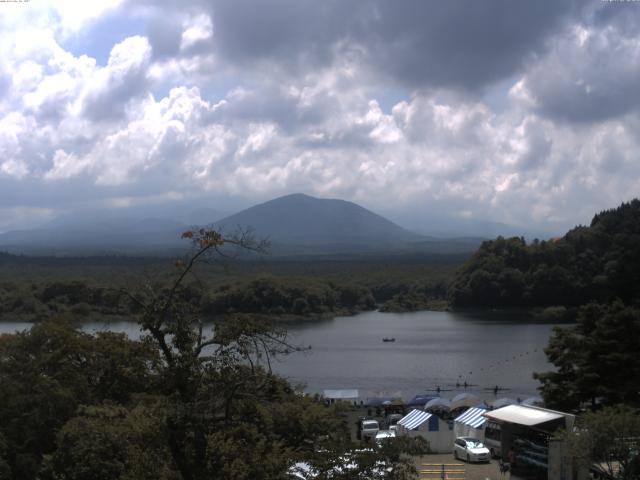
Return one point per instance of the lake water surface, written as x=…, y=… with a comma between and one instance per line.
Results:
x=431, y=349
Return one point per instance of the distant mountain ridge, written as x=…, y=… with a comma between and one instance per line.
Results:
x=296, y=225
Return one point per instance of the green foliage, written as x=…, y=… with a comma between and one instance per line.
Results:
x=596, y=360
x=609, y=440
x=108, y=442
x=47, y=372
x=294, y=296
x=596, y=263
x=36, y=288
x=5, y=469
x=420, y=296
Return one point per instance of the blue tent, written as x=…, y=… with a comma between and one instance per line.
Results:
x=421, y=400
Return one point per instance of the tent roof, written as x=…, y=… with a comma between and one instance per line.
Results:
x=414, y=419
x=421, y=399
x=474, y=417
x=438, y=403
x=351, y=394
x=464, y=396
x=380, y=401
x=464, y=400
x=523, y=415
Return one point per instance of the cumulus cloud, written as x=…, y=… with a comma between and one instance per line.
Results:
x=124, y=77
x=248, y=100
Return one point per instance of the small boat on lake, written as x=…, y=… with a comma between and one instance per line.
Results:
x=388, y=339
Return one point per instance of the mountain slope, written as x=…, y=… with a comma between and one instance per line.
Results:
x=305, y=221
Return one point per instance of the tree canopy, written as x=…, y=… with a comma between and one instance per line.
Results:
x=606, y=440
x=598, y=263
x=596, y=360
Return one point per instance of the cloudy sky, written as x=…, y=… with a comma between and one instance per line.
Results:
x=524, y=112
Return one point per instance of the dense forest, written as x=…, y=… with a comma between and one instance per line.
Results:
x=33, y=288
x=598, y=263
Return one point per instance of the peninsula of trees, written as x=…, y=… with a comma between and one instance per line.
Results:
x=595, y=263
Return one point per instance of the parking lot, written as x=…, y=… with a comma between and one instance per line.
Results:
x=430, y=467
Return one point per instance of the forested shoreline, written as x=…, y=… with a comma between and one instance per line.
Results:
x=595, y=263
x=34, y=288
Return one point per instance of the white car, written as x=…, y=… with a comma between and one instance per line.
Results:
x=382, y=435
x=471, y=450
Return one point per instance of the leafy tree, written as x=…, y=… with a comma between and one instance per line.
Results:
x=48, y=371
x=225, y=416
x=597, y=360
x=608, y=439
x=5, y=469
x=112, y=442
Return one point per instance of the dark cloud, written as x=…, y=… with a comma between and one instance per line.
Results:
x=625, y=16
x=164, y=34
x=270, y=103
x=292, y=33
x=459, y=43
x=592, y=72
x=412, y=42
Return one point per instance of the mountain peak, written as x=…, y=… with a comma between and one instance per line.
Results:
x=301, y=219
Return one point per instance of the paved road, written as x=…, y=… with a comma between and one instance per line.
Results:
x=467, y=471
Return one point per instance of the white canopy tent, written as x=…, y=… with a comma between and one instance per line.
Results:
x=529, y=416
x=470, y=423
x=432, y=428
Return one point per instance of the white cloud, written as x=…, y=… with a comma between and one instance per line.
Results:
x=160, y=120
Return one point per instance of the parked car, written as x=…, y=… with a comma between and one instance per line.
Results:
x=392, y=419
x=368, y=428
x=471, y=450
x=383, y=435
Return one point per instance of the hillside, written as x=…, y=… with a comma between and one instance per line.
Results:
x=600, y=262
x=304, y=220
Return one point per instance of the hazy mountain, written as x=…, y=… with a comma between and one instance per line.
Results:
x=300, y=219
x=301, y=225
x=296, y=225
x=440, y=225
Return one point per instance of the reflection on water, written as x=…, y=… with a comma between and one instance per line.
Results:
x=431, y=349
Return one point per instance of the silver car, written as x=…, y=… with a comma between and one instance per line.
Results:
x=471, y=450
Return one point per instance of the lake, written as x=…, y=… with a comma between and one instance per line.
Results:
x=431, y=349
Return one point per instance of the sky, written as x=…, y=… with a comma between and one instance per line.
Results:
x=522, y=112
